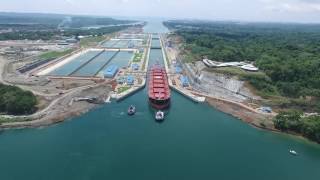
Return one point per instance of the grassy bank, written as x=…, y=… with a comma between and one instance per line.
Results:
x=137, y=57
x=12, y=120
x=91, y=41
x=287, y=56
x=123, y=89
x=55, y=54
x=15, y=101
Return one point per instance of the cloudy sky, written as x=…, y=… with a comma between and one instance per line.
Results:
x=245, y=10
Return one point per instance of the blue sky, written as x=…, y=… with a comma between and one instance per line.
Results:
x=243, y=10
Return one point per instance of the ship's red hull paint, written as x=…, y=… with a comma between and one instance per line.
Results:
x=158, y=89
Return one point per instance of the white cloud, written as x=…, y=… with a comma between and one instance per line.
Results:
x=245, y=10
x=70, y=1
x=293, y=6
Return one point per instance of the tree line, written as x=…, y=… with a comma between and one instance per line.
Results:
x=15, y=101
x=51, y=34
x=289, y=54
x=295, y=121
x=20, y=26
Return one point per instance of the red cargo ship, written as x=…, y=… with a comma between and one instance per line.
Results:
x=159, y=91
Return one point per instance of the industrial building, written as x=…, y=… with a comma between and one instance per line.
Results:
x=184, y=81
x=110, y=71
x=130, y=80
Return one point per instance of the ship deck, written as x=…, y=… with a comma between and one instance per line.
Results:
x=158, y=84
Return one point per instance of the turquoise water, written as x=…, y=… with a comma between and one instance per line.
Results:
x=155, y=26
x=136, y=43
x=116, y=44
x=156, y=56
x=109, y=44
x=93, y=67
x=155, y=43
x=132, y=36
x=194, y=142
x=74, y=64
x=122, y=59
x=121, y=43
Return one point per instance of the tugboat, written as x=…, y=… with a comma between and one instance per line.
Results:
x=158, y=90
x=131, y=110
x=159, y=116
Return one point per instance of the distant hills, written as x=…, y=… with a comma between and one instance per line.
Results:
x=58, y=20
x=35, y=26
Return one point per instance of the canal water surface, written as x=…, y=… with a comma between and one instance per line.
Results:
x=194, y=142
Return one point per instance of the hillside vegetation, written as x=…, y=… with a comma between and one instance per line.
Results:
x=55, y=54
x=15, y=101
x=81, y=21
x=289, y=54
x=20, y=26
x=295, y=122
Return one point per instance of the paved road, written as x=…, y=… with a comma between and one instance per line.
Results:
x=2, y=63
x=43, y=112
x=54, y=102
x=3, y=81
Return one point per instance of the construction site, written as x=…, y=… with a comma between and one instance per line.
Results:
x=112, y=70
x=74, y=83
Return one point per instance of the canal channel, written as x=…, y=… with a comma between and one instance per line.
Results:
x=194, y=142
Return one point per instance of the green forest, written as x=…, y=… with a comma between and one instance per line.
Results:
x=15, y=101
x=289, y=54
x=295, y=122
x=53, y=33
x=50, y=26
x=82, y=21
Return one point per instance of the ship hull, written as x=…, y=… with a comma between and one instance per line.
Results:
x=159, y=91
x=159, y=105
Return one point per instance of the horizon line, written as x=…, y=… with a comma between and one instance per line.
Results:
x=163, y=18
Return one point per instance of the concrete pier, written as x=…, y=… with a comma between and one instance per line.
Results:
x=142, y=74
x=130, y=92
x=185, y=92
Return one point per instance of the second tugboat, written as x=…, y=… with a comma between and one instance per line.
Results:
x=159, y=116
x=131, y=110
x=159, y=91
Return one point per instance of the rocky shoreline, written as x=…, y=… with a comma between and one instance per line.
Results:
x=247, y=115
x=257, y=120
